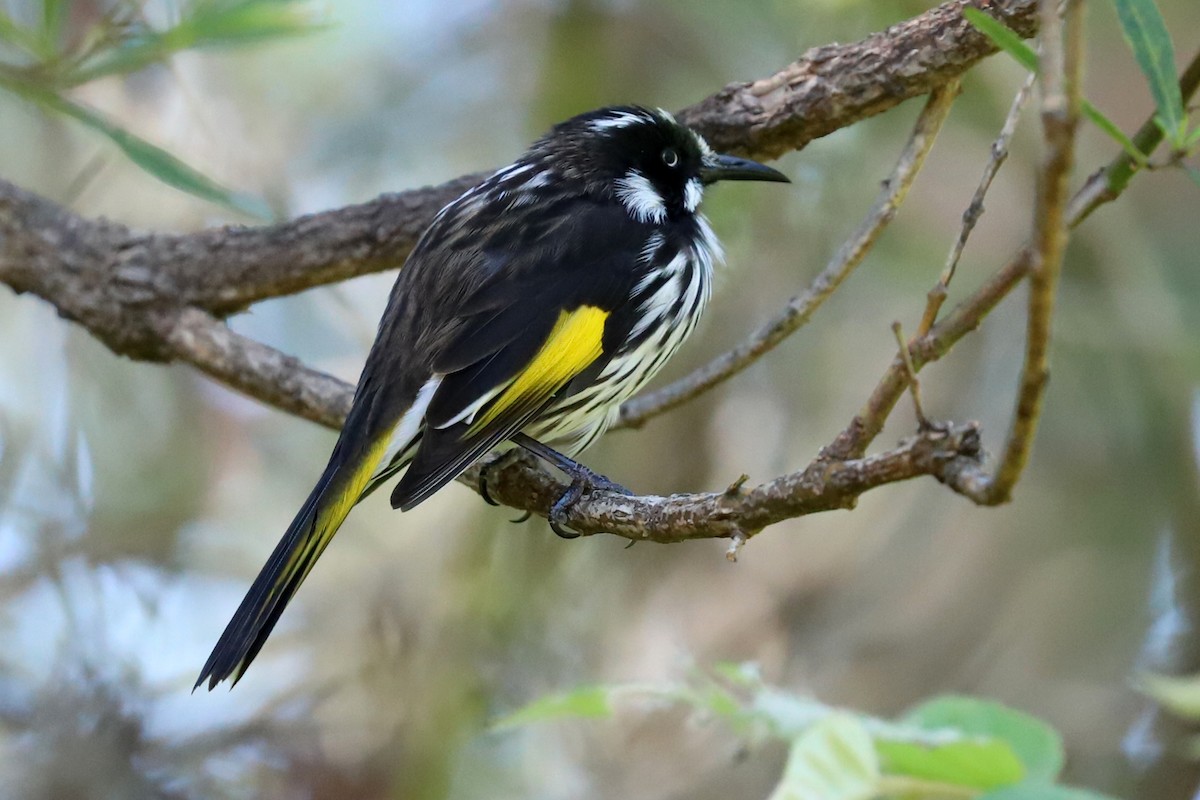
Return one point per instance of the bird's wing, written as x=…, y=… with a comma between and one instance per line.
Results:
x=517, y=350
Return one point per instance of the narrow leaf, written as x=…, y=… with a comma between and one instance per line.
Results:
x=1116, y=134
x=833, y=760
x=1147, y=35
x=1003, y=37
x=159, y=163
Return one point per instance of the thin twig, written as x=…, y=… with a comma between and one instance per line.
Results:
x=1062, y=56
x=910, y=372
x=800, y=309
x=999, y=154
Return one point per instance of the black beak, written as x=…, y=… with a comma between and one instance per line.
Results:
x=731, y=168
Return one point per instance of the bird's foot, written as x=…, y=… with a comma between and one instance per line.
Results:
x=583, y=481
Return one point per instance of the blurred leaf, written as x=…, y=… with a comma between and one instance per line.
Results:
x=208, y=23
x=585, y=702
x=17, y=36
x=1179, y=695
x=159, y=163
x=833, y=760
x=1036, y=791
x=230, y=22
x=1038, y=746
x=1147, y=35
x=979, y=764
x=1010, y=42
x=52, y=19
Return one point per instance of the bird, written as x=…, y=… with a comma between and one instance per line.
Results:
x=531, y=307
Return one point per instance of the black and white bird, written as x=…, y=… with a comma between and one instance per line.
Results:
x=530, y=308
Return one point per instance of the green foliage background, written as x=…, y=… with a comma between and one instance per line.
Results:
x=136, y=501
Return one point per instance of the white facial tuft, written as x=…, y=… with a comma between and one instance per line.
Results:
x=641, y=199
x=693, y=192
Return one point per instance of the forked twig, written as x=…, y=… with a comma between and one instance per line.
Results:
x=999, y=154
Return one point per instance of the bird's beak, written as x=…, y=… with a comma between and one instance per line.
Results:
x=731, y=168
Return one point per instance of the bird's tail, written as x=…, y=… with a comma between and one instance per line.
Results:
x=340, y=487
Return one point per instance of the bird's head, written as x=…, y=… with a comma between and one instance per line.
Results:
x=655, y=166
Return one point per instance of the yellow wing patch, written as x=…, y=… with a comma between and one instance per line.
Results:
x=575, y=342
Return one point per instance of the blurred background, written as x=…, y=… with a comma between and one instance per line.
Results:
x=138, y=501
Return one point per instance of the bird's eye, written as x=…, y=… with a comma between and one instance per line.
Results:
x=670, y=157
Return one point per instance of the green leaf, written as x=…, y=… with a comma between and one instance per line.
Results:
x=585, y=702
x=1003, y=37
x=1147, y=35
x=1180, y=695
x=1040, y=791
x=156, y=161
x=974, y=763
x=1038, y=746
x=833, y=760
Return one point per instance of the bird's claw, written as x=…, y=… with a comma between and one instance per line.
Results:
x=494, y=462
x=583, y=483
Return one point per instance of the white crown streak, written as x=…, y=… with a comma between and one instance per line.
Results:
x=621, y=120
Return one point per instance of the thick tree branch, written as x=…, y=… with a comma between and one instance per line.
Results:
x=262, y=372
x=226, y=269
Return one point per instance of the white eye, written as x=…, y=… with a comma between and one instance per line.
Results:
x=670, y=157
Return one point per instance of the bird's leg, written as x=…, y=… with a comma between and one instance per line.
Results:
x=582, y=480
